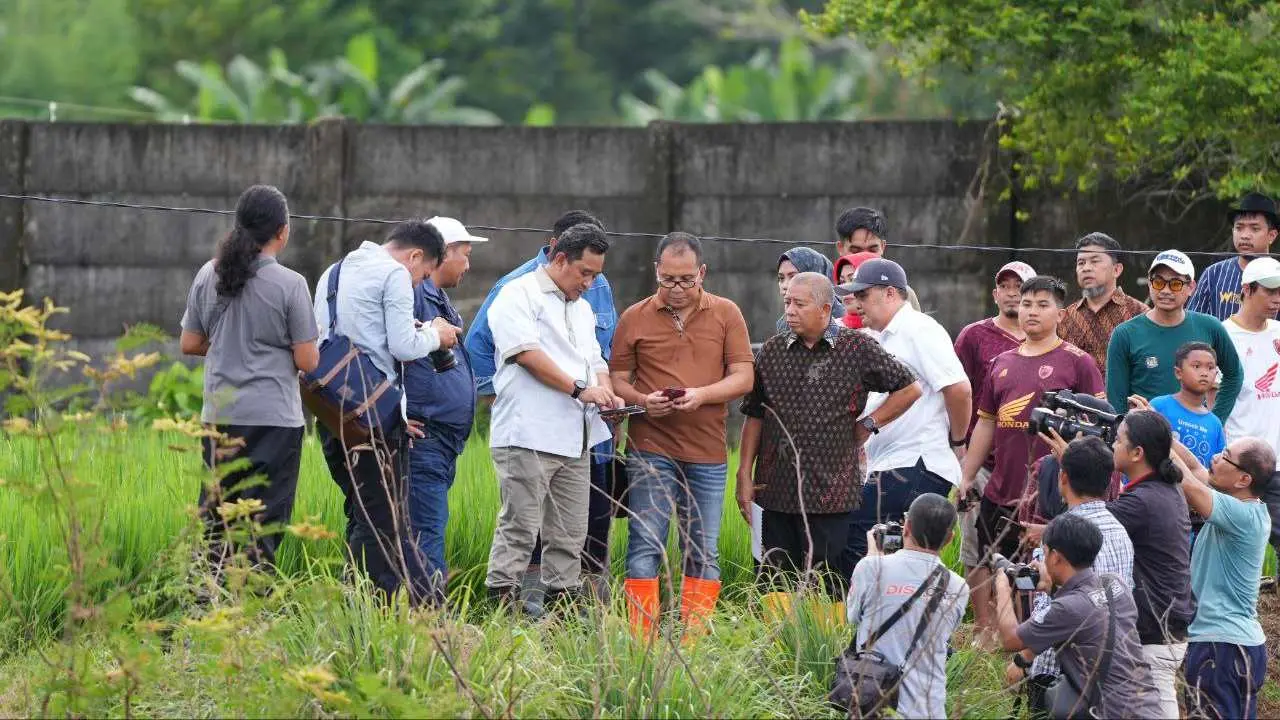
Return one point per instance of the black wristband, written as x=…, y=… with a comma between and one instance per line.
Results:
x=1021, y=662
x=957, y=443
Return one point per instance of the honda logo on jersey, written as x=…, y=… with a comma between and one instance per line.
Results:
x=1264, y=384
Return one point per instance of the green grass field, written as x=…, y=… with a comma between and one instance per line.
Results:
x=317, y=646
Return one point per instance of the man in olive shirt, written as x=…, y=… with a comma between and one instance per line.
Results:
x=682, y=354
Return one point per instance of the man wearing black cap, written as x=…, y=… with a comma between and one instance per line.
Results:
x=1253, y=229
x=917, y=453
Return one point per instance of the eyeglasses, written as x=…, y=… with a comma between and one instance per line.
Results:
x=1231, y=462
x=686, y=283
x=1174, y=285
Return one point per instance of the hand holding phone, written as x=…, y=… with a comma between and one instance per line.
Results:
x=622, y=412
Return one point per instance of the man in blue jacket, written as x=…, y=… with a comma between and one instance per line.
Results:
x=479, y=345
x=440, y=394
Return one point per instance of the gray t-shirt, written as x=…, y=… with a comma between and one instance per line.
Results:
x=1076, y=626
x=880, y=585
x=249, y=375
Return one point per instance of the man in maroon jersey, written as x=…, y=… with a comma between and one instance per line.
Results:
x=1013, y=387
x=977, y=345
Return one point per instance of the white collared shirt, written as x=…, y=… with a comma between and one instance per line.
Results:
x=531, y=313
x=922, y=431
x=375, y=309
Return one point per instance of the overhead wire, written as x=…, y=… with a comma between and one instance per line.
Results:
x=547, y=231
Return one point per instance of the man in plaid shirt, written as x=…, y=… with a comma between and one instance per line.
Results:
x=1084, y=480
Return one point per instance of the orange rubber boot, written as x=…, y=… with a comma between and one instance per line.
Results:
x=697, y=602
x=642, y=605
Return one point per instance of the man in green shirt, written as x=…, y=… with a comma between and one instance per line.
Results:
x=1140, y=354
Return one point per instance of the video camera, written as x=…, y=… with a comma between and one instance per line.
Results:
x=1064, y=413
x=1024, y=577
x=888, y=537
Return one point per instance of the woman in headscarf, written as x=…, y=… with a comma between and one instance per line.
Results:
x=798, y=260
x=845, y=267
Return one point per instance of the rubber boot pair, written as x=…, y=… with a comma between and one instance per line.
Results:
x=697, y=601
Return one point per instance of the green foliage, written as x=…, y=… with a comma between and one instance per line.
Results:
x=1186, y=91
x=175, y=392
x=791, y=86
x=350, y=86
x=70, y=51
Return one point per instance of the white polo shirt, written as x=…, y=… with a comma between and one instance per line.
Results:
x=531, y=313
x=922, y=431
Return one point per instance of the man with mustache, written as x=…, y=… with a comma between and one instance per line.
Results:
x=1088, y=324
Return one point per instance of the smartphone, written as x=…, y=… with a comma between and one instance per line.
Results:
x=613, y=413
x=673, y=393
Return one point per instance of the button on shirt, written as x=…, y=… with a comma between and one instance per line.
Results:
x=922, y=431
x=531, y=313
x=1115, y=558
x=375, y=309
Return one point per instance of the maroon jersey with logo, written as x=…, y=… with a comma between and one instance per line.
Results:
x=1012, y=389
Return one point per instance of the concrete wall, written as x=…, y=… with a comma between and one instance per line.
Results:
x=114, y=266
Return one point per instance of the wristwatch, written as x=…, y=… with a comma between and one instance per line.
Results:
x=578, y=387
x=869, y=423
x=1021, y=662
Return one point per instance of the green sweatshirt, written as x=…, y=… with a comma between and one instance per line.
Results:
x=1140, y=360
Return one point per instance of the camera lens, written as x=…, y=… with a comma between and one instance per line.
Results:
x=443, y=360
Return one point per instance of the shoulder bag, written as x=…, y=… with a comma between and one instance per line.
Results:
x=1063, y=691
x=346, y=392
x=865, y=683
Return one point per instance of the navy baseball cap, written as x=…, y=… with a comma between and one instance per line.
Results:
x=877, y=273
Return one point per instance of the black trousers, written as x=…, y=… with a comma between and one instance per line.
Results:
x=374, y=483
x=886, y=496
x=274, y=454
x=786, y=548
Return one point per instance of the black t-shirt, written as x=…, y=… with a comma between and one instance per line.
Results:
x=1154, y=513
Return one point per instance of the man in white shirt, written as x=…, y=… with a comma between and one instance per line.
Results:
x=1256, y=336
x=375, y=311
x=551, y=381
x=917, y=453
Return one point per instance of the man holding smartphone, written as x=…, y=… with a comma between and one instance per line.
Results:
x=682, y=354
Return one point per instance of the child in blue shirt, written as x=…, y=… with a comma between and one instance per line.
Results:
x=1195, y=365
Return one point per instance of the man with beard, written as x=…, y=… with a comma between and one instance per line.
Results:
x=1088, y=323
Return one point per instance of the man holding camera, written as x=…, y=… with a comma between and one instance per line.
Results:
x=917, y=452
x=551, y=383
x=802, y=439
x=883, y=583
x=1091, y=623
x=440, y=394
x=681, y=354
x=1013, y=388
x=1084, y=479
x=1226, y=660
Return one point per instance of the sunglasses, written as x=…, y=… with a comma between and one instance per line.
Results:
x=1174, y=285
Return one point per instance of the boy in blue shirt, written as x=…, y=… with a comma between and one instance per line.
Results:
x=1195, y=365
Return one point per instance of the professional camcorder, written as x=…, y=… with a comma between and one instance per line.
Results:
x=888, y=537
x=1068, y=414
x=1024, y=577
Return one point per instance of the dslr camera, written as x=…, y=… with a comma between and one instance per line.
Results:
x=888, y=537
x=1024, y=577
x=1066, y=414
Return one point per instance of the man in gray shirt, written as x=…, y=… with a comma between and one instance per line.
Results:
x=375, y=311
x=882, y=583
x=1092, y=624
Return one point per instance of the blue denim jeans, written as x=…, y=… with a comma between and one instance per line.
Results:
x=660, y=487
x=432, y=464
x=886, y=496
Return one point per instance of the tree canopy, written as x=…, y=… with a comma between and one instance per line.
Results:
x=1178, y=97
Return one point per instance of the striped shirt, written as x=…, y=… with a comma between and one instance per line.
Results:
x=1115, y=558
x=1218, y=289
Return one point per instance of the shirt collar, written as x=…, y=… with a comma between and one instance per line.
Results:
x=898, y=318
x=1117, y=298
x=828, y=336
x=430, y=290
x=546, y=284
x=1080, y=578
x=1089, y=508
x=543, y=257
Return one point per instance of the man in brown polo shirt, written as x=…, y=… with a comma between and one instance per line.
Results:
x=1088, y=324
x=810, y=388
x=683, y=354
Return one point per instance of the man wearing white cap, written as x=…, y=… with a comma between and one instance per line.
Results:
x=1256, y=336
x=440, y=394
x=1140, y=354
x=977, y=345
x=917, y=453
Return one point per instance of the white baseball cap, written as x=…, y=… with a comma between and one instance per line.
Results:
x=1021, y=269
x=1176, y=261
x=453, y=231
x=1264, y=270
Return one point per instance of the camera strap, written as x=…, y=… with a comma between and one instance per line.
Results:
x=1103, y=667
x=939, y=571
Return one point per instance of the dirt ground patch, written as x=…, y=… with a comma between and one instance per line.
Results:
x=1269, y=614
